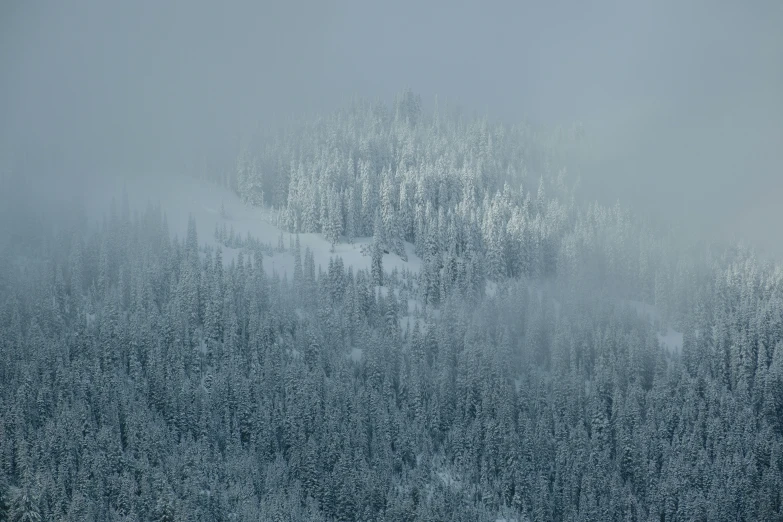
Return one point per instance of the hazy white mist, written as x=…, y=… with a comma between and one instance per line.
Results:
x=681, y=99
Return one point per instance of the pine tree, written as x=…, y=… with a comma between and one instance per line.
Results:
x=334, y=221
x=24, y=504
x=376, y=254
x=351, y=228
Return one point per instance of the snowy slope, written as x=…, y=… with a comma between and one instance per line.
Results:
x=672, y=339
x=181, y=196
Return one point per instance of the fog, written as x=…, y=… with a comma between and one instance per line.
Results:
x=389, y=312
x=681, y=99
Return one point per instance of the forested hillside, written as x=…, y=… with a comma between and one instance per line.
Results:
x=145, y=377
x=493, y=200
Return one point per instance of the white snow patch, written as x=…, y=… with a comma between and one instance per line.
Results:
x=672, y=339
x=407, y=322
x=281, y=263
x=491, y=288
x=182, y=196
x=447, y=478
x=356, y=354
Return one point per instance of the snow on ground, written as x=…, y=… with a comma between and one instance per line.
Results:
x=672, y=339
x=356, y=354
x=448, y=479
x=214, y=207
x=182, y=196
x=490, y=288
x=408, y=320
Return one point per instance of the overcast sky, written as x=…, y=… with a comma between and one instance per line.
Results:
x=684, y=98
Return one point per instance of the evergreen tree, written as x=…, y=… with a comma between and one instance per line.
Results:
x=376, y=254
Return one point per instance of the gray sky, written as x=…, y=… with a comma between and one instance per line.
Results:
x=683, y=97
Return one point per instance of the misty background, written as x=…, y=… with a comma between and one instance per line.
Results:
x=682, y=100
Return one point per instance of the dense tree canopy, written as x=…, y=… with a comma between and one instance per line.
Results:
x=144, y=377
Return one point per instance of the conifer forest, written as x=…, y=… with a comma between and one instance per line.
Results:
x=389, y=309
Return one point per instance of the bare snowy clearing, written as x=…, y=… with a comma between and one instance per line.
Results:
x=672, y=339
x=213, y=206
